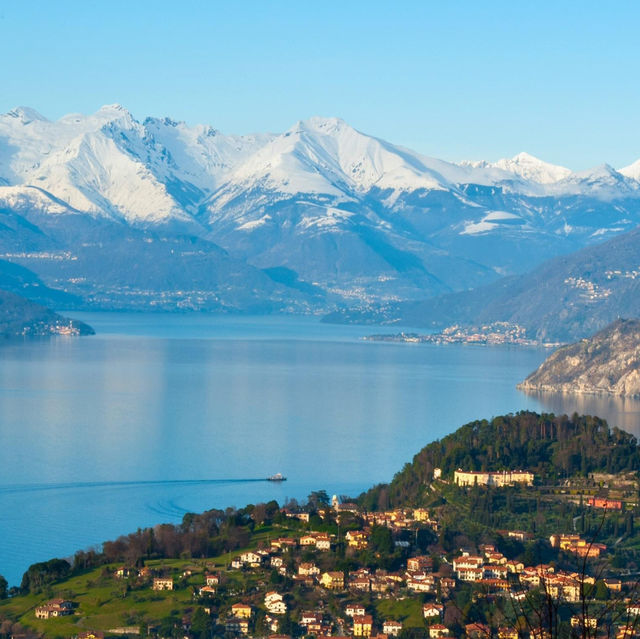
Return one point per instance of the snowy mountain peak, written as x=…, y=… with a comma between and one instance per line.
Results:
x=532, y=168
x=632, y=171
x=26, y=115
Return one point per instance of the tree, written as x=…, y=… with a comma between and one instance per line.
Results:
x=318, y=498
x=4, y=588
x=201, y=624
x=43, y=574
x=381, y=540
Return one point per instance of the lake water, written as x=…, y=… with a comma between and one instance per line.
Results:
x=158, y=415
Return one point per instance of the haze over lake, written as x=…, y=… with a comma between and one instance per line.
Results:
x=158, y=415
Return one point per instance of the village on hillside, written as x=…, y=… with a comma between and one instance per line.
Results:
x=340, y=571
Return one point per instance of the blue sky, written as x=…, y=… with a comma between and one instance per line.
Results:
x=456, y=80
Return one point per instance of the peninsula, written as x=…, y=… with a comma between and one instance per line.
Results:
x=608, y=362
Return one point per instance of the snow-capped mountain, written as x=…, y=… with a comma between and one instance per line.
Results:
x=319, y=210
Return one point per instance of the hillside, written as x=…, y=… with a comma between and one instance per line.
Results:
x=608, y=362
x=548, y=445
x=564, y=299
x=20, y=317
x=302, y=569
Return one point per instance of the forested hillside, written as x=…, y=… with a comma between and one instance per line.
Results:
x=551, y=446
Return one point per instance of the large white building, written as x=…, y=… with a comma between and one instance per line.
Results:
x=500, y=478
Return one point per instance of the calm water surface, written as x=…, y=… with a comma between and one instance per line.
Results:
x=158, y=415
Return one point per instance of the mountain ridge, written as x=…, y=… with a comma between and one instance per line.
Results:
x=357, y=218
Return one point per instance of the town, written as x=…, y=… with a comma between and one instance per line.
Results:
x=369, y=578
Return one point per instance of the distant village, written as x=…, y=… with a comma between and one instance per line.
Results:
x=493, y=334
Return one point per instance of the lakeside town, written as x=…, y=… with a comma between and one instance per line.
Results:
x=333, y=569
x=493, y=334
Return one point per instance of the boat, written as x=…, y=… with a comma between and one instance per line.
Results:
x=277, y=477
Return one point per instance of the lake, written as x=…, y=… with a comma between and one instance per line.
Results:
x=158, y=415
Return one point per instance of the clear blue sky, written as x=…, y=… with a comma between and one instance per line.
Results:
x=456, y=80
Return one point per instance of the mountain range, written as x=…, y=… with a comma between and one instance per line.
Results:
x=121, y=213
x=564, y=299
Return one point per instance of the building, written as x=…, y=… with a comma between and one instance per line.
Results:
x=237, y=625
x=241, y=611
x=54, y=608
x=274, y=603
x=607, y=504
x=438, y=630
x=432, y=610
x=332, y=580
x=500, y=478
x=162, y=583
x=362, y=625
x=391, y=628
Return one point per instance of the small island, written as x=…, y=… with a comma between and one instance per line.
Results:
x=608, y=362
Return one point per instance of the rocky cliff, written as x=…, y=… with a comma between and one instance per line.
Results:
x=608, y=362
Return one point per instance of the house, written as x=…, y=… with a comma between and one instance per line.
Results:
x=361, y=584
x=421, y=585
x=470, y=574
x=323, y=542
x=207, y=591
x=421, y=514
x=505, y=632
x=308, y=569
x=91, y=634
x=308, y=540
x=438, y=630
x=332, y=580
x=274, y=603
x=520, y=535
x=54, y=608
x=162, y=583
x=273, y=624
x=477, y=630
x=272, y=596
x=357, y=539
x=420, y=564
x=277, y=608
x=362, y=625
x=123, y=572
x=391, y=628
x=314, y=622
x=354, y=609
x=493, y=571
x=615, y=585
x=432, y=610
x=311, y=617
x=514, y=567
x=237, y=625
x=253, y=559
x=212, y=579
x=578, y=621
x=633, y=610
x=447, y=584
x=241, y=611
